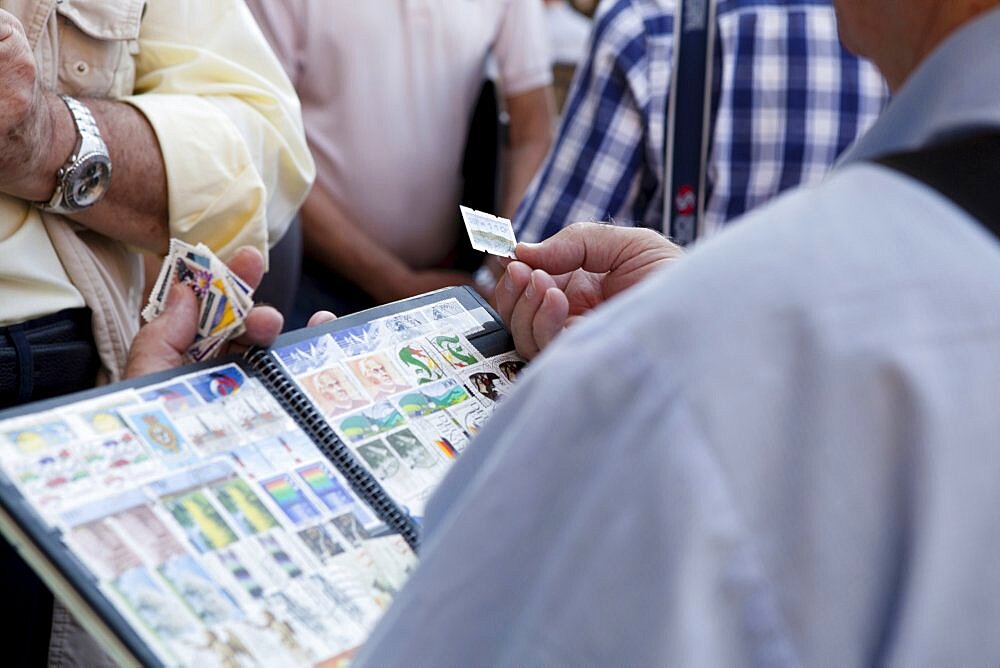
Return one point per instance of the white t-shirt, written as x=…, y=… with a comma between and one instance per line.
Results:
x=568, y=31
x=387, y=91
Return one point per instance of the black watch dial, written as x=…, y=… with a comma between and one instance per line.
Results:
x=87, y=182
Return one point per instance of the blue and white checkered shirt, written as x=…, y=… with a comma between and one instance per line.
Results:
x=788, y=100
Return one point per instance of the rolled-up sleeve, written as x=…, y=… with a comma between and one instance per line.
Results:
x=228, y=123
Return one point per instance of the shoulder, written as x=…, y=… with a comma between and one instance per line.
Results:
x=626, y=35
x=830, y=260
x=621, y=21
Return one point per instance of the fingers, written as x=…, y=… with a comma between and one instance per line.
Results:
x=320, y=317
x=162, y=343
x=533, y=305
x=539, y=315
x=551, y=318
x=595, y=247
x=263, y=324
x=248, y=264
x=509, y=289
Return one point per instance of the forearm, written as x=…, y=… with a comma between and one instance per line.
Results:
x=134, y=210
x=531, y=118
x=519, y=169
x=340, y=244
x=228, y=122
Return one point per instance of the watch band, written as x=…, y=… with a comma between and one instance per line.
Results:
x=87, y=171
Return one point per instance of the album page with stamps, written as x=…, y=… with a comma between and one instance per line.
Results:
x=260, y=510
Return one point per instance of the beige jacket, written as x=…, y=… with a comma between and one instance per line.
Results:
x=92, y=41
x=84, y=48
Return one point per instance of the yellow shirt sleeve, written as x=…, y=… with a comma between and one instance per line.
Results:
x=228, y=122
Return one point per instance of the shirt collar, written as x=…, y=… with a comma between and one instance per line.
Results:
x=954, y=90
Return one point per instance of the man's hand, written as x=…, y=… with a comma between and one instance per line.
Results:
x=554, y=282
x=161, y=344
x=25, y=117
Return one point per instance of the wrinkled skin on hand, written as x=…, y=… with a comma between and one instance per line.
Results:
x=553, y=283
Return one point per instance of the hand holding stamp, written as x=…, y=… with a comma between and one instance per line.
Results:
x=553, y=283
x=179, y=315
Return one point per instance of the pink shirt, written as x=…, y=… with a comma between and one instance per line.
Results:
x=387, y=89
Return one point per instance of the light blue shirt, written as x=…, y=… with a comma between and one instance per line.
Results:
x=781, y=450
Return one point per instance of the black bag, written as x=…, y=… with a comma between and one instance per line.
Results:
x=966, y=170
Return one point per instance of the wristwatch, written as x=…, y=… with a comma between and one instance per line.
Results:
x=85, y=177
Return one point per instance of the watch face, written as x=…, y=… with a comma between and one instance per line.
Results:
x=87, y=182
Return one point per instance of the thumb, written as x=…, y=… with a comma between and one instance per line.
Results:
x=178, y=324
x=162, y=343
x=247, y=263
x=594, y=247
x=588, y=246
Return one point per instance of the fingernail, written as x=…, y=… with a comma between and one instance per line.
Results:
x=529, y=291
x=504, y=284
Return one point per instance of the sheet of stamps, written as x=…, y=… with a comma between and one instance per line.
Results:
x=210, y=521
x=405, y=393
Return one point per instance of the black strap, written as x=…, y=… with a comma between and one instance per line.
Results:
x=687, y=121
x=965, y=170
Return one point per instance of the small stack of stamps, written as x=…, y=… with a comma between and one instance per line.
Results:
x=488, y=233
x=224, y=298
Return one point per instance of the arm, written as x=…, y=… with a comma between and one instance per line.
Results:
x=531, y=115
x=341, y=244
x=228, y=124
x=576, y=181
x=210, y=147
x=40, y=136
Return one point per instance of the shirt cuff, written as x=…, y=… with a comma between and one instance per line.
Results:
x=215, y=194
